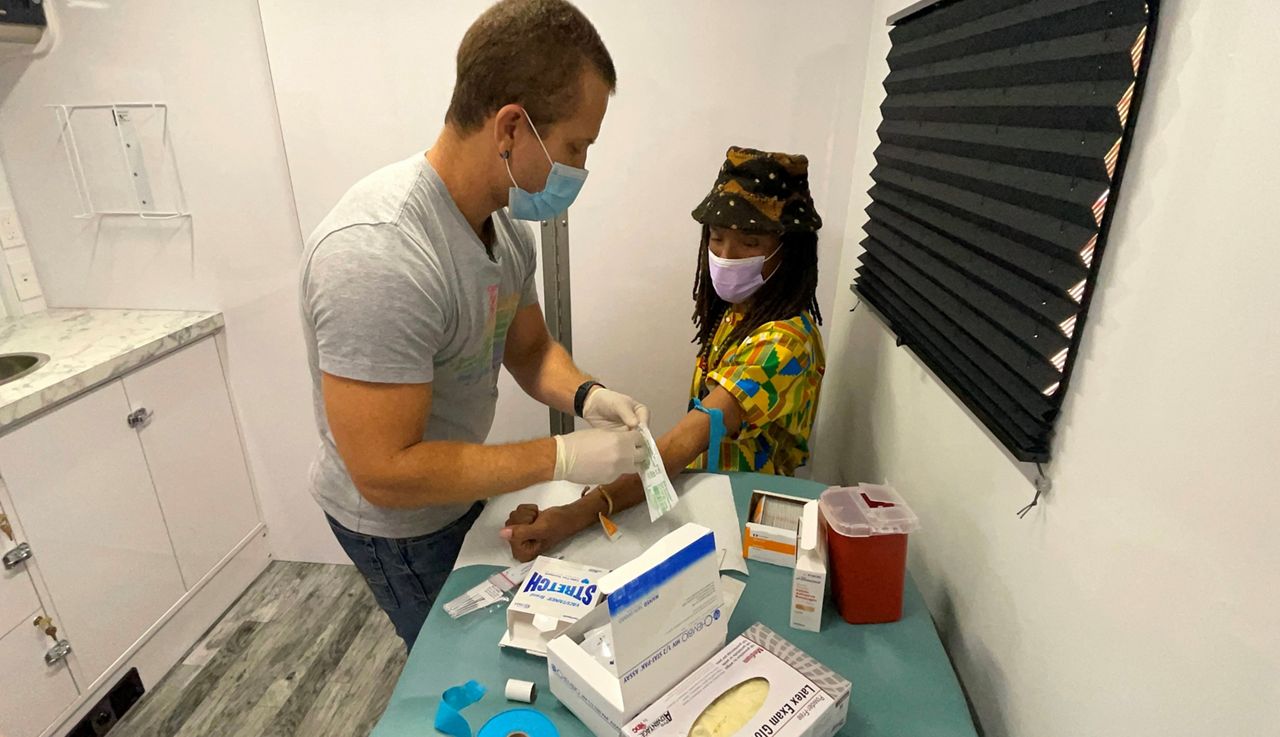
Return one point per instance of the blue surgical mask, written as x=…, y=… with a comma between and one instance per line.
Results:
x=563, y=184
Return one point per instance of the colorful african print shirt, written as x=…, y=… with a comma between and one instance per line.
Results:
x=775, y=374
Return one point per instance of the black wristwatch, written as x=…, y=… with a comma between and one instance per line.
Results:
x=580, y=399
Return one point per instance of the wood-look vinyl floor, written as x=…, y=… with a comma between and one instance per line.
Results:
x=305, y=651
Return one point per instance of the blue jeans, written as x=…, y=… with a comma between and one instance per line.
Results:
x=406, y=574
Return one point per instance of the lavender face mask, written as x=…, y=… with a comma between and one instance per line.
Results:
x=736, y=279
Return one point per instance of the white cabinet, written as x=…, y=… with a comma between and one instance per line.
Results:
x=17, y=592
x=193, y=449
x=128, y=518
x=136, y=500
x=80, y=484
x=32, y=693
x=17, y=598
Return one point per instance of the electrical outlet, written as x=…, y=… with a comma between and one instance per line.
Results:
x=11, y=230
x=25, y=282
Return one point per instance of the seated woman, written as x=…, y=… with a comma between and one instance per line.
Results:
x=760, y=359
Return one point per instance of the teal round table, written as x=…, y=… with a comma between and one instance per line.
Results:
x=903, y=684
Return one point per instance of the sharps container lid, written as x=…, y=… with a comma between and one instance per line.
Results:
x=867, y=509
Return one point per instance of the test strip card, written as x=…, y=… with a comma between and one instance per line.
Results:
x=658, y=491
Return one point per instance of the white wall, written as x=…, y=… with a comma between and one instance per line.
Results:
x=6, y=195
x=17, y=256
x=239, y=251
x=1139, y=597
x=9, y=302
x=358, y=89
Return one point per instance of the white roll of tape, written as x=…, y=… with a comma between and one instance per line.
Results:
x=524, y=691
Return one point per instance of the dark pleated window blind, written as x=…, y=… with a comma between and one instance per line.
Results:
x=1002, y=144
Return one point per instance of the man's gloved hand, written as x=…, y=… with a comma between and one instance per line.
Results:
x=598, y=456
x=614, y=410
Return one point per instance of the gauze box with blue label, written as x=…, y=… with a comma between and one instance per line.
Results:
x=662, y=617
x=554, y=595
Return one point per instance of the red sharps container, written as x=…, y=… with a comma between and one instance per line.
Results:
x=867, y=528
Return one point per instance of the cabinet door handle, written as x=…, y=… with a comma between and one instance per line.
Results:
x=139, y=418
x=60, y=649
x=16, y=556
x=58, y=653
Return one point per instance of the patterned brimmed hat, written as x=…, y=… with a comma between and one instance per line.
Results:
x=762, y=192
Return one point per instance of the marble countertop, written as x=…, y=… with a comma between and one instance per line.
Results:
x=87, y=348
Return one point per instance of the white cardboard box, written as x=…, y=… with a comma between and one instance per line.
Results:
x=766, y=539
x=788, y=694
x=664, y=610
x=555, y=594
x=809, y=580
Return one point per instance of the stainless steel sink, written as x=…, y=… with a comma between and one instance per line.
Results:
x=14, y=366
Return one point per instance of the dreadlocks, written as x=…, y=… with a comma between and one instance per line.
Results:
x=791, y=290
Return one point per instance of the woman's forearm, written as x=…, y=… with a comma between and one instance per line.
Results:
x=537, y=532
x=584, y=512
x=678, y=447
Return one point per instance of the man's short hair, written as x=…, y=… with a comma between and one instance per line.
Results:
x=527, y=52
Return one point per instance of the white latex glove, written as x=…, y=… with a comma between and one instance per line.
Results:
x=614, y=410
x=598, y=456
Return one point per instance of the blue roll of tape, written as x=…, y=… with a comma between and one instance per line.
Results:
x=530, y=722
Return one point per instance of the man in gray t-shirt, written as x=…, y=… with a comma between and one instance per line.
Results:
x=418, y=287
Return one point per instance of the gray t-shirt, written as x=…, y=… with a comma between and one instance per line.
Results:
x=397, y=288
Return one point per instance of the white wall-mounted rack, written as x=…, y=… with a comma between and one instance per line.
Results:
x=122, y=160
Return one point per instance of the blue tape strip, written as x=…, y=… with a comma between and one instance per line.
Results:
x=449, y=717
x=716, y=435
x=640, y=586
